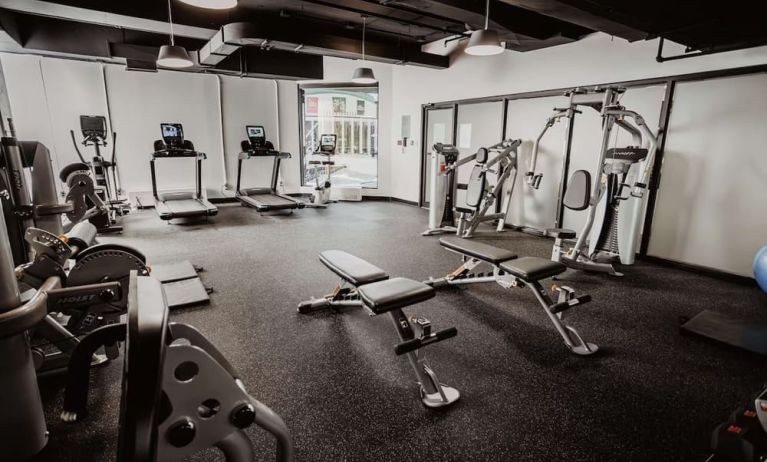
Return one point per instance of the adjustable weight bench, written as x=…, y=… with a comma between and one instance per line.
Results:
x=510, y=271
x=365, y=285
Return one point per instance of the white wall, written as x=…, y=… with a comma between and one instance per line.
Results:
x=47, y=98
x=244, y=102
x=526, y=119
x=48, y=95
x=73, y=88
x=290, y=135
x=711, y=203
x=595, y=59
x=140, y=101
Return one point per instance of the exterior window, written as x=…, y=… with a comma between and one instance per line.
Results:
x=351, y=113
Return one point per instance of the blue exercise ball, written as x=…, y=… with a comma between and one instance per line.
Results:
x=760, y=268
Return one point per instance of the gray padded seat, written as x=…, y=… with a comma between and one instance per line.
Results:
x=384, y=296
x=561, y=233
x=484, y=252
x=352, y=269
x=533, y=268
x=577, y=197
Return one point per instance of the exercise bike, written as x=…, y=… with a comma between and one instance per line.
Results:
x=321, y=194
x=94, y=131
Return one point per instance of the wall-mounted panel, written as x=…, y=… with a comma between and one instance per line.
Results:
x=139, y=102
x=711, y=204
x=248, y=102
x=478, y=125
x=29, y=107
x=525, y=120
x=74, y=88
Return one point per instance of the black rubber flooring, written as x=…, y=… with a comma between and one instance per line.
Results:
x=650, y=394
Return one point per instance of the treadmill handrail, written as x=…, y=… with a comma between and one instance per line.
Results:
x=186, y=153
x=264, y=153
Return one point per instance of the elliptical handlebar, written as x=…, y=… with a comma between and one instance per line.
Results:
x=77, y=149
x=114, y=146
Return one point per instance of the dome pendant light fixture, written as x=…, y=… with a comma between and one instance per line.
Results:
x=485, y=42
x=172, y=55
x=363, y=75
x=212, y=4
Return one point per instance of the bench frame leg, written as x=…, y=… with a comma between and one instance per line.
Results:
x=433, y=393
x=572, y=339
x=463, y=275
x=344, y=294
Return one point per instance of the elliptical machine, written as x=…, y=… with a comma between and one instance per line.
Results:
x=107, y=186
x=327, y=148
x=499, y=159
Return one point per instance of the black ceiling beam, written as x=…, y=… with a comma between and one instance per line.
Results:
x=54, y=35
x=566, y=11
x=416, y=11
x=510, y=20
x=254, y=62
x=296, y=34
x=383, y=16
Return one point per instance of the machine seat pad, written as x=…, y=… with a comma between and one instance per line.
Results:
x=352, y=269
x=394, y=293
x=533, y=268
x=560, y=233
x=484, y=252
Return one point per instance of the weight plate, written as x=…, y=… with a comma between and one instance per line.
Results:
x=107, y=266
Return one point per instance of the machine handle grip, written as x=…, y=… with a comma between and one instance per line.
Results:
x=638, y=190
x=416, y=343
x=567, y=304
x=533, y=180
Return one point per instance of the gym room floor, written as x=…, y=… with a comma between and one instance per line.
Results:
x=650, y=394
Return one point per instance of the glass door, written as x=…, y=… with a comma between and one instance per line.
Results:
x=439, y=129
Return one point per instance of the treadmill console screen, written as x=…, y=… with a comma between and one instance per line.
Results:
x=328, y=144
x=256, y=136
x=172, y=135
x=93, y=126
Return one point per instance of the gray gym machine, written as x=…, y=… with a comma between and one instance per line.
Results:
x=183, y=397
x=616, y=200
x=499, y=159
x=23, y=432
x=164, y=363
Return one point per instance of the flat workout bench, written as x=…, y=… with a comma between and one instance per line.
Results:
x=510, y=271
x=364, y=284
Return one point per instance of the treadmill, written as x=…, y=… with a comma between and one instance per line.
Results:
x=263, y=199
x=185, y=204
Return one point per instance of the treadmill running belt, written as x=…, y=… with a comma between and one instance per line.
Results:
x=180, y=208
x=269, y=202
